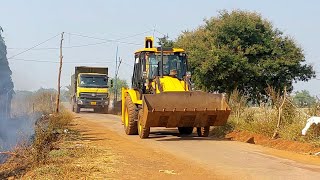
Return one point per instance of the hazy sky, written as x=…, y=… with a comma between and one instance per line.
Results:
x=27, y=23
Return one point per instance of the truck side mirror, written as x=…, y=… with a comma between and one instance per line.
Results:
x=111, y=83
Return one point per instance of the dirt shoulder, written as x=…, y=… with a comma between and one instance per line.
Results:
x=297, y=151
x=97, y=153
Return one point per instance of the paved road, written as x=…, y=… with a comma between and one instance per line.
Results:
x=230, y=158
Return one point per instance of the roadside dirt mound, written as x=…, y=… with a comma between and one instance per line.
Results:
x=294, y=146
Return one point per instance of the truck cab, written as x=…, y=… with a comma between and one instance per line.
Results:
x=90, y=89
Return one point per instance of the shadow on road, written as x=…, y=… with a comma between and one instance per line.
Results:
x=172, y=135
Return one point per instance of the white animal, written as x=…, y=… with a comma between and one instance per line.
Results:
x=310, y=121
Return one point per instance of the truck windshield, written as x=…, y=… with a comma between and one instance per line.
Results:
x=171, y=63
x=93, y=81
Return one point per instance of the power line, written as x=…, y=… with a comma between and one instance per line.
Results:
x=68, y=62
x=106, y=40
x=161, y=33
x=90, y=44
x=65, y=47
x=134, y=35
x=34, y=46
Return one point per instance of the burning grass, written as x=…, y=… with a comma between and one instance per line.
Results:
x=48, y=130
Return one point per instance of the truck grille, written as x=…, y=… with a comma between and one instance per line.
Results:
x=93, y=96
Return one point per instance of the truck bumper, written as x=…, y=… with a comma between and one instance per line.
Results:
x=83, y=103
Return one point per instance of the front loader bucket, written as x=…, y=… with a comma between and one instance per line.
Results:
x=184, y=109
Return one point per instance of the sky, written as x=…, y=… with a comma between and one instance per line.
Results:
x=90, y=25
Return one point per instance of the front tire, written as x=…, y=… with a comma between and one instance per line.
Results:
x=77, y=108
x=142, y=131
x=130, y=117
x=105, y=110
x=185, y=130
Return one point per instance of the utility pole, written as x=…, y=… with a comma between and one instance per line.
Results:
x=59, y=75
x=115, y=79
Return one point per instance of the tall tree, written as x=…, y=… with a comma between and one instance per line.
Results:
x=6, y=84
x=165, y=42
x=241, y=50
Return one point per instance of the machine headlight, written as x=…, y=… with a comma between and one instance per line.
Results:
x=188, y=74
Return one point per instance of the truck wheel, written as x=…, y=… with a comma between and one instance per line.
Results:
x=203, y=131
x=105, y=110
x=97, y=110
x=77, y=108
x=72, y=106
x=185, y=130
x=142, y=131
x=130, y=117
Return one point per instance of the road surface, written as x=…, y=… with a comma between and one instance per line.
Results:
x=230, y=159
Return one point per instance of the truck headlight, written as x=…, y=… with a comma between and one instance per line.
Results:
x=80, y=102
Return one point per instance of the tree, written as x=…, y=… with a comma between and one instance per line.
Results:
x=120, y=84
x=304, y=99
x=241, y=50
x=165, y=42
x=6, y=84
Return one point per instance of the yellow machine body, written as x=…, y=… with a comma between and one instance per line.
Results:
x=168, y=101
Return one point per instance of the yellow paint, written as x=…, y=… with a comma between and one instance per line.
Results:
x=126, y=117
x=155, y=50
x=123, y=99
x=171, y=84
x=91, y=90
x=139, y=128
x=98, y=74
x=135, y=97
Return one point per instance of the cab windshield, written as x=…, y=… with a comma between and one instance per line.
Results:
x=171, y=63
x=93, y=81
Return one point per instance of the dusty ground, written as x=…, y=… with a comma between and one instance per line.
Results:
x=103, y=151
x=98, y=153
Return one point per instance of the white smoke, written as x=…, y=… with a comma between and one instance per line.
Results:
x=12, y=130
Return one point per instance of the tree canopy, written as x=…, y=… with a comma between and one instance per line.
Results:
x=120, y=84
x=6, y=84
x=304, y=99
x=241, y=50
x=165, y=42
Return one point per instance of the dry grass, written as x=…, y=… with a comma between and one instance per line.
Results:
x=25, y=156
x=263, y=120
x=49, y=129
x=74, y=160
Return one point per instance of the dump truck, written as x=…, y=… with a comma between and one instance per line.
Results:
x=89, y=86
x=162, y=95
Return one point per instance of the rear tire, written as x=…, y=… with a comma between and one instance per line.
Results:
x=131, y=116
x=185, y=130
x=72, y=108
x=203, y=131
x=142, y=131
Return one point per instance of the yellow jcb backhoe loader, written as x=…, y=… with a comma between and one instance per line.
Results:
x=161, y=95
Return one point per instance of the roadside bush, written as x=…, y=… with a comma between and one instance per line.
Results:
x=264, y=119
x=48, y=130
